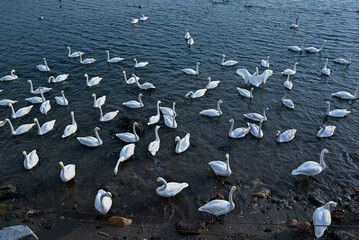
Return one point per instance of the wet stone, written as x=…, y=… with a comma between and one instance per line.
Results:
x=296, y=226
x=316, y=199
x=18, y=232
x=187, y=227
x=339, y=218
x=262, y=193
x=8, y=191
x=149, y=169
x=343, y=235
x=120, y=221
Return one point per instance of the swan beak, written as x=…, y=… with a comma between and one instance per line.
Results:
x=235, y=188
x=45, y=114
x=99, y=129
x=110, y=195
x=328, y=151
x=136, y=124
x=24, y=154
x=115, y=174
x=34, y=121
x=160, y=101
x=156, y=180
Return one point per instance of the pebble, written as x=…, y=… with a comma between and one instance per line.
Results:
x=120, y=221
x=186, y=227
x=149, y=169
x=262, y=193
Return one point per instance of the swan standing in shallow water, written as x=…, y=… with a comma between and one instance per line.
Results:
x=37, y=99
x=91, y=141
x=256, y=116
x=315, y=50
x=67, y=172
x=245, y=93
x=144, y=86
x=170, y=189
x=133, y=103
x=170, y=121
x=72, y=128
x=154, y=146
x=87, y=60
x=45, y=128
x=10, y=77
x=227, y=63
x=93, y=81
x=296, y=48
x=113, y=60
x=187, y=35
x=140, y=64
x=6, y=102
x=322, y=218
x=220, y=168
x=169, y=111
x=344, y=61
x=103, y=201
x=131, y=80
x=37, y=91
x=156, y=118
x=326, y=131
x=256, y=130
x=99, y=101
x=295, y=25
x=182, y=144
x=58, y=79
x=129, y=137
x=288, y=83
x=20, y=112
x=336, y=112
x=62, y=99
x=43, y=68
x=143, y=18
x=238, y=132
x=126, y=152
x=346, y=95
x=190, y=71
x=212, y=84
x=291, y=71
x=311, y=168
x=287, y=102
x=108, y=116
x=265, y=63
x=219, y=207
x=325, y=70
x=74, y=54
x=45, y=107
x=30, y=160
x=213, y=112
x=21, y=129
x=196, y=94
x=286, y=136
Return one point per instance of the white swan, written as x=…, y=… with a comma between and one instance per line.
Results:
x=170, y=121
x=315, y=50
x=322, y=218
x=129, y=137
x=58, y=79
x=140, y=64
x=45, y=128
x=10, y=77
x=182, y=144
x=256, y=130
x=219, y=207
x=103, y=201
x=170, y=189
x=113, y=60
x=286, y=136
x=213, y=112
x=30, y=160
x=68, y=172
x=62, y=100
x=311, y=168
x=227, y=63
x=37, y=91
x=325, y=70
x=87, y=60
x=134, y=20
x=326, y=131
x=196, y=94
x=169, y=111
x=72, y=128
x=256, y=116
x=108, y=116
x=346, y=95
x=37, y=99
x=254, y=79
x=221, y=168
x=336, y=112
x=288, y=83
x=45, y=107
x=43, y=68
x=144, y=86
x=190, y=71
x=99, y=101
x=212, y=84
x=291, y=71
x=265, y=63
x=20, y=112
x=287, y=102
x=187, y=35
x=126, y=152
x=6, y=102
x=245, y=93
x=133, y=103
x=296, y=48
x=295, y=25
x=131, y=80
x=91, y=141
x=190, y=42
x=93, y=81
x=74, y=54
x=143, y=18
x=344, y=61
x=238, y=132
x=21, y=129
x=154, y=146
x=156, y=118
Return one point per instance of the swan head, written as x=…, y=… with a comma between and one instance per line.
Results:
x=61, y=164
x=327, y=102
x=186, y=30
x=331, y=204
x=141, y=95
x=325, y=150
x=24, y=153
x=223, y=55
x=209, y=79
x=160, y=179
x=123, y=72
x=174, y=103
x=220, y=101
x=159, y=101
x=198, y=63
x=231, y=120
x=227, y=156
x=268, y=57
x=44, y=59
x=234, y=188
x=278, y=133
x=252, y=89
x=135, y=59
x=177, y=139
x=97, y=129
x=35, y=120
x=106, y=51
x=267, y=108
x=157, y=127
x=85, y=75
x=68, y=48
x=28, y=81
x=93, y=95
x=296, y=63
x=9, y=105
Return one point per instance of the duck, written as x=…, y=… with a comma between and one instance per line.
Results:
x=219, y=207
x=6, y=102
x=126, y=152
x=140, y=64
x=93, y=81
x=58, y=79
x=20, y=112
x=256, y=116
x=169, y=111
x=336, y=112
x=10, y=77
x=295, y=25
x=245, y=93
x=131, y=80
x=68, y=172
x=265, y=63
x=87, y=60
x=187, y=35
x=213, y=112
x=170, y=121
x=134, y=20
x=43, y=68
x=144, y=86
x=113, y=60
x=99, y=101
x=61, y=100
x=346, y=95
x=103, y=201
x=296, y=48
x=72, y=128
x=154, y=146
x=190, y=71
x=322, y=218
x=288, y=83
x=256, y=130
x=196, y=94
x=143, y=18
x=287, y=102
x=182, y=144
x=325, y=70
x=228, y=63
x=315, y=50
x=30, y=160
x=170, y=189
x=37, y=91
x=344, y=61
x=108, y=116
x=286, y=136
x=21, y=129
x=91, y=141
x=190, y=42
x=45, y=128
x=135, y=104
x=326, y=131
x=129, y=137
x=238, y=132
x=156, y=118
x=255, y=79
x=220, y=168
x=311, y=168
x=212, y=84
x=74, y=54
x=37, y=99
x=291, y=71
x=45, y=107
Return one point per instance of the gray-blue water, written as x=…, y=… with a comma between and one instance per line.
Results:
x=243, y=34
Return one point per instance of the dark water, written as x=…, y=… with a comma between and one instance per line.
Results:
x=244, y=34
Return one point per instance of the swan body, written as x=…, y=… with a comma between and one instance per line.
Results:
x=87, y=60
x=144, y=86
x=238, y=132
x=93, y=81
x=326, y=131
x=311, y=168
x=74, y=54
x=37, y=91
x=68, y=172
x=45, y=107
x=296, y=48
x=103, y=201
x=99, y=101
x=219, y=207
x=190, y=71
x=322, y=218
x=30, y=160
x=129, y=137
x=295, y=25
x=126, y=152
x=286, y=136
x=346, y=95
x=72, y=128
x=213, y=112
x=287, y=102
x=254, y=79
x=256, y=130
x=288, y=83
x=113, y=60
x=135, y=104
x=43, y=68
x=37, y=99
x=20, y=112
x=315, y=50
x=265, y=63
x=182, y=144
x=187, y=35
x=58, y=79
x=344, y=61
x=45, y=128
x=10, y=77
x=291, y=71
x=170, y=189
x=108, y=116
x=134, y=20
x=245, y=93
x=6, y=102
x=212, y=84
x=91, y=141
x=336, y=112
x=169, y=111
x=156, y=118
x=190, y=42
x=21, y=129
x=62, y=100
x=325, y=70
x=154, y=146
x=143, y=18
x=131, y=80
x=170, y=121
x=256, y=116
x=196, y=94
x=220, y=168
x=140, y=64
x=227, y=63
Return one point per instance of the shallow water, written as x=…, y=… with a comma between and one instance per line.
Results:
x=244, y=34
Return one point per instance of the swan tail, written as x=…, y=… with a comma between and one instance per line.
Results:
x=295, y=172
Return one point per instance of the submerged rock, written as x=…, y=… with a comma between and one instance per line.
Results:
x=8, y=191
x=120, y=221
x=17, y=232
x=262, y=193
x=187, y=227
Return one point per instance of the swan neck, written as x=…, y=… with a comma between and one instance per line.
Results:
x=164, y=186
x=69, y=50
x=219, y=107
x=156, y=133
x=260, y=126
x=197, y=69
x=31, y=87
x=73, y=119
x=223, y=59
x=38, y=127
x=94, y=100
x=356, y=93
x=322, y=163
x=302, y=45
x=134, y=130
x=158, y=108
x=228, y=167
x=108, y=56
x=231, y=128
x=46, y=63
x=12, y=111
x=295, y=67
x=101, y=113
x=264, y=112
x=98, y=136
x=87, y=79
x=231, y=198
x=328, y=109
x=173, y=108
x=42, y=96
x=326, y=63
x=350, y=58
x=11, y=127
x=140, y=100
x=125, y=77
x=322, y=46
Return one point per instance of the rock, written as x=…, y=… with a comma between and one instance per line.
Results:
x=316, y=200
x=343, y=185
x=218, y=196
x=256, y=181
x=187, y=227
x=343, y=235
x=50, y=224
x=149, y=169
x=8, y=191
x=339, y=218
x=296, y=226
x=262, y=193
x=17, y=232
x=267, y=230
x=120, y=221
x=356, y=190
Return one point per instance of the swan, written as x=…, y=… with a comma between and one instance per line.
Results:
x=113, y=60
x=219, y=207
x=170, y=189
x=290, y=71
x=108, y=116
x=72, y=128
x=326, y=131
x=238, y=132
x=212, y=84
x=311, y=168
x=67, y=172
x=58, y=79
x=169, y=111
x=74, y=54
x=140, y=64
x=126, y=152
x=45, y=128
x=336, y=112
x=143, y=18
x=182, y=144
x=37, y=99
x=227, y=63
x=144, y=86
x=131, y=80
x=135, y=104
x=30, y=160
x=245, y=93
x=154, y=146
x=322, y=218
x=91, y=141
x=256, y=116
x=256, y=130
x=265, y=63
x=220, y=168
x=196, y=94
x=325, y=70
x=213, y=112
x=43, y=68
x=288, y=83
x=103, y=201
x=134, y=20
x=37, y=91
x=296, y=48
x=346, y=95
x=129, y=137
x=45, y=107
x=6, y=102
x=21, y=129
x=62, y=99
x=190, y=42
x=156, y=118
x=295, y=25
x=20, y=112
x=187, y=35
x=286, y=136
x=344, y=61
x=254, y=79
x=170, y=121
x=315, y=50
x=87, y=60
x=93, y=81
x=287, y=102
x=10, y=77
x=190, y=71
x=99, y=101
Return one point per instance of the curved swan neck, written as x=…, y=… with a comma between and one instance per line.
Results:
x=303, y=45
x=260, y=126
x=31, y=87
x=68, y=48
x=117, y=166
x=322, y=46
x=80, y=57
x=197, y=69
x=124, y=74
x=156, y=134
x=38, y=126
x=322, y=163
x=73, y=119
x=264, y=111
x=295, y=67
x=231, y=197
x=46, y=63
x=218, y=107
x=63, y=95
x=94, y=99
x=108, y=55
x=328, y=109
x=164, y=186
x=12, y=111
x=134, y=129
x=231, y=128
x=98, y=136
x=140, y=99
x=137, y=83
x=350, y=58
x=87, y=79
x=223, y=57
x=101, y=113
x=135, y=60
x=101, y=198
x=11, y=126
x=228, y=167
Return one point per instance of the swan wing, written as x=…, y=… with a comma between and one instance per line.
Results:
x=126, y=137
x=166, y=111
x=210, y=112
x=153, y=147
x=321, y=219
x=24, y=128
x=239, y=132
x=244, y=74
x=69, y=129
x=215, y=207
x=127, y=152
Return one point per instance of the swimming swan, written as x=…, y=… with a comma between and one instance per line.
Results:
x=30, y=160
x=256, y=116
x=325, y=70
x=156, y=118
x=144, y=86
x=21, y=129
x=182, y=144
x=72, y=128
x=129, y=137
x=68, y=172
x=315, y=50
x=10, y=77
x=336, y=112
x=245, y=93
x=238, y=132
x=94, y=81
x=213, y=112
x=45, y=128
x=43, y=68
x=133, y=103
x=170, y=121
x=37, y=91
x=74, y=54
x=212, y=84
x=45, y=107
x=169, y=111
x=296, y=48
x=91, y=141
x=103, y=201
x=140, y=64
x=256, y=130
x=108, y=116
x=326, y=131
x=99, y=101
x=131, y=80
x=126, y=152
x=220, y=168
x=291, y=71
x=20, y=112
x=311, y=168
x=190, y=71
x=113, y=60
x=344, y=61
x=346, y=95
x=287, y=102
x=154, y=146
x=58, y=79
x=62, y=100
x=228, y=63
x=288, y=83
x=196, y=94
x=286, y=136
x=37, y=99
x=265, y=63
x=87, y=60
